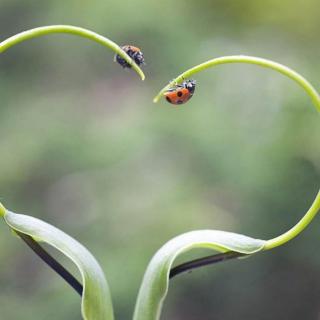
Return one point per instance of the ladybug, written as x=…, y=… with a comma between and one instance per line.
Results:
x=134, y=53
x=181, y=93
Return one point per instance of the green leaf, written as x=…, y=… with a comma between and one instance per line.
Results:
x=96, y=299
x=155, y=283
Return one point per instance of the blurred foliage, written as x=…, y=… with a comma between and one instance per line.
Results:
x=84, y=148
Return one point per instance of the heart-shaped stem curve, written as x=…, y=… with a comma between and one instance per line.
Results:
x=64, y=29
x=302, y=82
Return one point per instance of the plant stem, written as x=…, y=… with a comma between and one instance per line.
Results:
x=205, y=261
x=299, y=227
x=270, y=244
x=250, y=60
x=41, y=31
x=51, y=262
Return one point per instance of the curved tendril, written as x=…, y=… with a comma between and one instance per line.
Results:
x=42, y=31
x=302, y=82
x=299, y=227
x=250, y=60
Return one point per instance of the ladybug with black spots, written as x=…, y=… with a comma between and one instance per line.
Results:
x=134, y=53
x=181, y=93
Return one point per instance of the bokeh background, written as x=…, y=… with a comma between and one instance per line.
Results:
x=84, y=148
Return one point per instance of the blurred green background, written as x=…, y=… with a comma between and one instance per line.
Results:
x=84, y=148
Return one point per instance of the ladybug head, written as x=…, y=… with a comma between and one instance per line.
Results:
x=137, y=56
x=190, y=85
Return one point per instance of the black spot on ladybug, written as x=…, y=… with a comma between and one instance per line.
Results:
x=168, y=99
x=179, y=93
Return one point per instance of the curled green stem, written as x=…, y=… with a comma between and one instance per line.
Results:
x=41, y=31
x=302, y=82
x=249, y=60
x=299, y=227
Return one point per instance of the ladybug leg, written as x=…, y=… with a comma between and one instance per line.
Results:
x=180, y=85
x=174, y=84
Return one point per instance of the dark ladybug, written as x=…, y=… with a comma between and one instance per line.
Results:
x=134, y=53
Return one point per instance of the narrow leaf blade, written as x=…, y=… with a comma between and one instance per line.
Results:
x=96, y=299
x=155, y=283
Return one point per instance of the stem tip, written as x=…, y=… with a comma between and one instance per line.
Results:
x=2, y=210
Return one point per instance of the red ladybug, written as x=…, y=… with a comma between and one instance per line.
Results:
x=181, y=93
x=134, y=53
